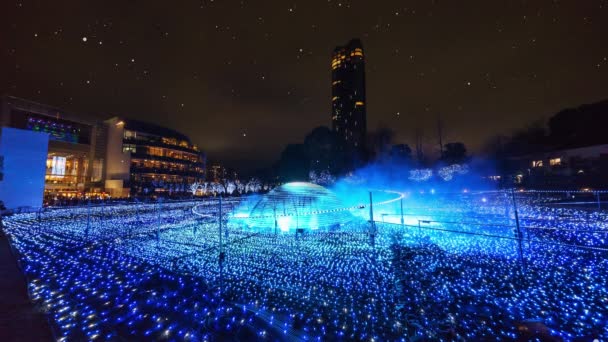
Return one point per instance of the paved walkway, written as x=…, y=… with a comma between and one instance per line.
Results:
x=19, y=319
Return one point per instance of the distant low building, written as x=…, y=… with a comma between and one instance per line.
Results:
x=216, y=173
x=569, y=152
x=580, y=167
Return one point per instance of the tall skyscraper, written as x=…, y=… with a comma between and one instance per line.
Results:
x=348, y=94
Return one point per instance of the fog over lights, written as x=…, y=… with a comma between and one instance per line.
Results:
x=291, y=206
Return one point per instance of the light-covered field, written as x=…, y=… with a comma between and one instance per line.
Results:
x=455, y=269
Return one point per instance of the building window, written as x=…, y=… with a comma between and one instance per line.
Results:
x=169, y=141
x=129, y=148
x=537, y=163
x=97, y=174
x=130, y=134
x=555, y=161
x=58, y=166
x=155, y=151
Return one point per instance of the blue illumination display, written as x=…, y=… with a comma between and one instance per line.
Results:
x=450, y=271
x=296, y=205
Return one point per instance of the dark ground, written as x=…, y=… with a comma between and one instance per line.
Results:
x=19, y=318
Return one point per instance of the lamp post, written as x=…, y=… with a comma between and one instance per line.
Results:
x=221, y=255
x=88, y=218
x=371, y=220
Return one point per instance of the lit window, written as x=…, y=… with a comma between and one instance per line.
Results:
x=128, y=148
x=170, y=141
x=537, y=163
x=359, y=103
x=155, y=151
x=58, y=166
x=97, y=170
x=555, y=161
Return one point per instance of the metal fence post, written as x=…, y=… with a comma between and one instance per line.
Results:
x=221, y=255
x=402, y=221
x=519, y=234
x=371, y=219
x=275, y=220
x=137, y=210
x=371, y=210
x=220, y=220
x=157, y=223
x=88, y=219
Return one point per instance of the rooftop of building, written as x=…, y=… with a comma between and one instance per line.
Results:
x=351, y=45
x=45, y=110
x=149, y=128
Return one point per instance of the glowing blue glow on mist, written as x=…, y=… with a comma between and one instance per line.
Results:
x=291, y=206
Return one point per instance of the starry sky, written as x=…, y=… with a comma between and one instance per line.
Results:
x=244, y=78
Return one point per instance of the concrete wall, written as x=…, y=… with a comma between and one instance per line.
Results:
x=118, y=164
x=24, y=167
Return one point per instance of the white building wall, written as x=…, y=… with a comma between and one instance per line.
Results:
x=118, y=164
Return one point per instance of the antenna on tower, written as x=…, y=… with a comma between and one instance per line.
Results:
x=440, y=135
x=419, y=148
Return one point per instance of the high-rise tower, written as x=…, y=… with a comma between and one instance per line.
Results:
x=348, y=94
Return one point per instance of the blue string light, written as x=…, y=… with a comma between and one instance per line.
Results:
x=116, y=280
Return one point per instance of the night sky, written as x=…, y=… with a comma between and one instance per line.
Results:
x=244, y=78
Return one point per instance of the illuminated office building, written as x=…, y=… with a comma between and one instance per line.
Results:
x=348, y=94
x=146, y=159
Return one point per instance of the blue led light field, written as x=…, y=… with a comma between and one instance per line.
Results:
x=450, y=270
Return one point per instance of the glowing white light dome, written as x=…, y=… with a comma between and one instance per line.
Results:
x=297, y=205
